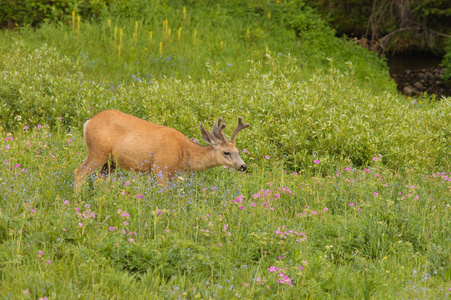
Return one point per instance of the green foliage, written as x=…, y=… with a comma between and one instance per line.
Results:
x=372, y=21
x=447, y=61
x=219, y=234
x=436, y=13
x=327, y=117
x=227, y=34
x=316, y=104
x=36, y=12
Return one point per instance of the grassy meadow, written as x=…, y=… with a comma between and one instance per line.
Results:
x=348, y=183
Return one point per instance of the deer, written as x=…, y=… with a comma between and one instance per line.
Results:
x=116, y=139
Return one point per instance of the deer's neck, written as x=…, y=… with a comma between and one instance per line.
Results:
x=201, y=158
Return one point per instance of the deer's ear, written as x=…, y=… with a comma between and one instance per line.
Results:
x=209, y=138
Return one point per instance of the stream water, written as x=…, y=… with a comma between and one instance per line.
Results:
x=416, y=74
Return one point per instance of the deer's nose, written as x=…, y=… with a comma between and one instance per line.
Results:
x=243, y=167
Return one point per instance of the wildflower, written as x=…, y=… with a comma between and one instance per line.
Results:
x=25, y=128
x=326, y=209
x=267, y=156
x=272, y=269
x=80, y=224
x=316, y=161
x=374, y=158
x=375, y=194
x=284, y=279
x=40, y=253
x=347, y=169
x=7, y=147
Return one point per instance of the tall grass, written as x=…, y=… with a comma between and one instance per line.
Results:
x=272, y=233
x=184, y=38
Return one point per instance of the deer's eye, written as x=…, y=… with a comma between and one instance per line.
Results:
x=226, y=153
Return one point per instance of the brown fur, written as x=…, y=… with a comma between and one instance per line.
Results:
x=117, y=139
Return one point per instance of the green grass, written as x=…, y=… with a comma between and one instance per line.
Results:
x=348, y=184
x=229, y=37
x=367, y=233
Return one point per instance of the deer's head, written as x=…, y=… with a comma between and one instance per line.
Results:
x=225, y=151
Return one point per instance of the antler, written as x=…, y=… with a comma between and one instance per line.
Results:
x=217, y=130
x=240, y=127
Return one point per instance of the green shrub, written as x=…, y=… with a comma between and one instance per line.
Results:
x=327, y=117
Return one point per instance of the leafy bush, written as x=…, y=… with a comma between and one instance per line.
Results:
x=327, y=117
x=35, y=12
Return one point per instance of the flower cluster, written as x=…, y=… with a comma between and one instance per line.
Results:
x=284, y=233
x=310, y=212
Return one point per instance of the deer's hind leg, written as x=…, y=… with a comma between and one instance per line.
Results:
x=92, y=163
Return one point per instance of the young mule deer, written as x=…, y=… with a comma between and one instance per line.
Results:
x=118, y=139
